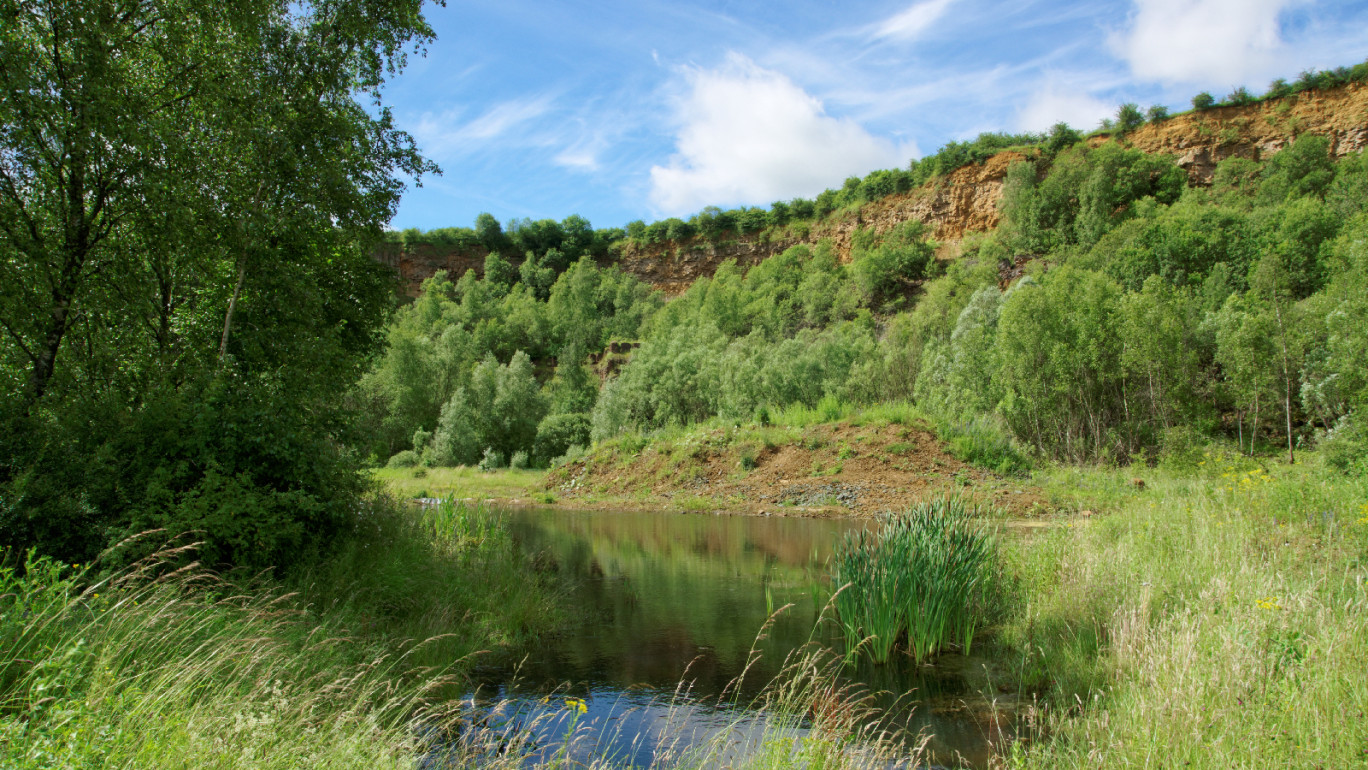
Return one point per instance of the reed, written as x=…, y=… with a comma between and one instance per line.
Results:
x=919, y=579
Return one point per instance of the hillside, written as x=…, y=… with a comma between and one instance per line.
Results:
x=964, y=201
x=864, y=464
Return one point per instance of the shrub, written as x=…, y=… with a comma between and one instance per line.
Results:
x=518, y=461
x=405, y=459
x=492, y=460
x=1239, y=96
x=1203, y=101
x=1157, y=113
x=1061, y=138
x=557, y=433
x=1129, y=117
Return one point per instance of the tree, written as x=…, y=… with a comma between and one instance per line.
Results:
x=1203, y=101
x=186, y=193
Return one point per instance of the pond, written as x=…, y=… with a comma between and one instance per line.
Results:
x=667, y=612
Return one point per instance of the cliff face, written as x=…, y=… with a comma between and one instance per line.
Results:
x=419, y=262
x=1200, y=140
x=966, y=201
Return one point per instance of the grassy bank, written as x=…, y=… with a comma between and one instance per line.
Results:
x=1216, y=616
x=464, y=483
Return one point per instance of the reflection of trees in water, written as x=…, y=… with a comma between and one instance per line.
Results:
x=657, y=596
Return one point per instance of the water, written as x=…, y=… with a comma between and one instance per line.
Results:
x=667, y=611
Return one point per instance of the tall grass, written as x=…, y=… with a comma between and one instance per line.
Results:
x=347, y=663
x=919, y=578
x=141, y=671
x=1217, y=618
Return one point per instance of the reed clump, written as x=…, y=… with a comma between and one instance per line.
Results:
x=919, y=578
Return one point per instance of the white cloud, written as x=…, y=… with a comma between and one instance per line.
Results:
x=445, y=135
x=751, y=136
x=1056, y=102
x=1203, y=41
x=912, y=22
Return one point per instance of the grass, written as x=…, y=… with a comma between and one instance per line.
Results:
x=462, y=482
x=155, y=667
x=1216, y=617
x=180, y=672
x=919, y=578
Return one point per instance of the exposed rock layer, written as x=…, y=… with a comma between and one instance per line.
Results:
x=966, y=201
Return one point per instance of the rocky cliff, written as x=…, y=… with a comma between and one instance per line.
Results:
x=966, y=200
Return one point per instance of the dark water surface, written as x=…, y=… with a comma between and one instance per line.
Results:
x=666, y=611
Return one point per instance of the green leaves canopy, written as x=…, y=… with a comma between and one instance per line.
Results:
x=186, y=189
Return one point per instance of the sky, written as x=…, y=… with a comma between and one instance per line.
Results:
x=618, y=110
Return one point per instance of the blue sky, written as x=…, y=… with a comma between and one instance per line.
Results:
x=618, y=110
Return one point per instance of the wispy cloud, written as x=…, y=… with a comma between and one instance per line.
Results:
x=750, y=135
x=445, y=134
x=910, y=23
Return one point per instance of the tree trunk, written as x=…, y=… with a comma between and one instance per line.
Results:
x=232, y=306
x=1287, y=379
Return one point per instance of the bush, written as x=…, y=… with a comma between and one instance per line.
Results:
x=883, y=265
x=1129, y=117
x=557, y=433
x=1203, y=101
x=405, y=459
x=518, y=461
x=492, y=460
x=1239, y=97
x=1157, y=113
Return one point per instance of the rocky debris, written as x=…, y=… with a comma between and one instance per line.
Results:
x=816, y=495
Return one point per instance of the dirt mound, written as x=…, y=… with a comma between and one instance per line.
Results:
x=831, y=469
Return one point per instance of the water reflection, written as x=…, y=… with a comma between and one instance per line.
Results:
x=668, y=610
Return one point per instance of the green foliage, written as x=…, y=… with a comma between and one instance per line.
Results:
x=1302, y=168
x=1061, y=138
x=1060, y=374
x=1086, y=193
x=1239, y=97
x=1157, y=113
x=921, y=577
x=438, y=342
x=1129, y=117
x=900, y=257
x=499, y=272
x=193, y=270
x=557, y=433
x=496, y=413
x=405, y=459
x=491, y=460
x=1203, y=101
x=983, y=442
